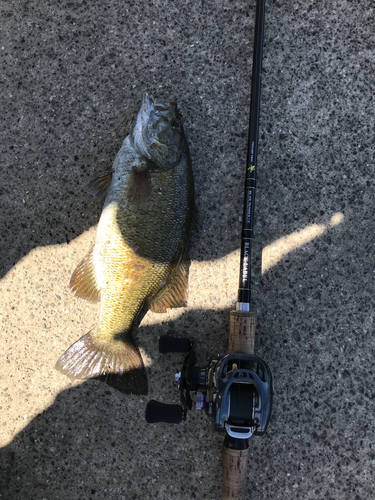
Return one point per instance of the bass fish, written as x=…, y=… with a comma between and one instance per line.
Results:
x=140, y=257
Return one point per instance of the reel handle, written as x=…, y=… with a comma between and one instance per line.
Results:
x=173, y=344
x=236, y=451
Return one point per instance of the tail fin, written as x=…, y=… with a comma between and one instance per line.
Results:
x=118, y=363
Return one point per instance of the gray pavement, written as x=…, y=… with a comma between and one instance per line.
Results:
x=71, y=77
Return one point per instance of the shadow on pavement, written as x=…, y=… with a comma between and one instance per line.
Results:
x=93, y=441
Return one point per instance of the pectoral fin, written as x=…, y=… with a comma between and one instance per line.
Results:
x=99, y=185
x=83, y=282
x=175, y=292
x=139, y=186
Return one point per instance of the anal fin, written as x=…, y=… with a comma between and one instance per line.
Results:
x=139, y=186
x=83, y=282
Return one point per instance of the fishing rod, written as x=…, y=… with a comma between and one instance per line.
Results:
x=235, y=389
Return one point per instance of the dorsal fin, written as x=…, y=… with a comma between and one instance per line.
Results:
x=175, y=292
x=83, y=282
x=194, y=218
x=99, y=185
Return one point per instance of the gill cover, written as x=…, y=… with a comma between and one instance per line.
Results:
x=158, y=133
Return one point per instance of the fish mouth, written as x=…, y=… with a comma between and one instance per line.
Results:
x=149, y=103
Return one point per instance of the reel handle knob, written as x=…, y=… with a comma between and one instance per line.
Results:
x=161, y=412
x=173, y=344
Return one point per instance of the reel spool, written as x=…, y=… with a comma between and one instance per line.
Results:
x=234, y=390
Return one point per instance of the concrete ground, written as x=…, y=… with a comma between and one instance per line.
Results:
x=72, y=74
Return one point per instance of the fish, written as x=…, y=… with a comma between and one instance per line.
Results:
x=140, y=258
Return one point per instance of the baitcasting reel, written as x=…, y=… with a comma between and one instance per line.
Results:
x=234, y=390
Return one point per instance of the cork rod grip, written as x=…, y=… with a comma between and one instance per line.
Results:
x=242, y=332
x=234, y=473
x=241, y=339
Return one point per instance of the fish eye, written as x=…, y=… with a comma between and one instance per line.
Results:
x=175, y=125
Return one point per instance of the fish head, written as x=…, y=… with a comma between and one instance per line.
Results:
x=158, y=133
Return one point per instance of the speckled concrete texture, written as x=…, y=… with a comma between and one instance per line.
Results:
x=71, y=78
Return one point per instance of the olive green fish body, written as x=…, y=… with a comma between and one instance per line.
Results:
x=140, y=253
x=139, y=242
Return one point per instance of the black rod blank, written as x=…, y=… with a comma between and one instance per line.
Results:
x=244, y=293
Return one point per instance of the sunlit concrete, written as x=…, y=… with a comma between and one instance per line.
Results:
x=40, y=318
x=35, y=301
x=274, y=252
